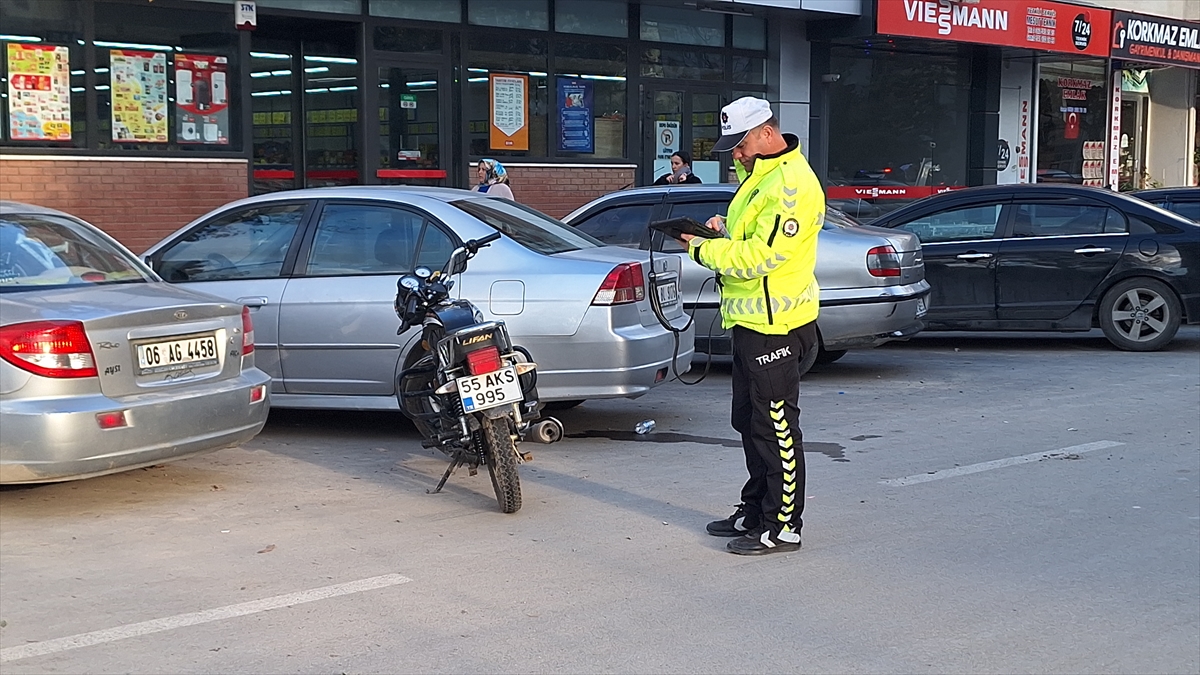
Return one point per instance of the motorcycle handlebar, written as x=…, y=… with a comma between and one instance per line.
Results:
x=475, y=244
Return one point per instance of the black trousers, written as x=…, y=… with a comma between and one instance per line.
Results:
x=766, y=412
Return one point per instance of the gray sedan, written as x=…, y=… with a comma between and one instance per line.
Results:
x=319, y=268
x=103, y=367
x=873, y=287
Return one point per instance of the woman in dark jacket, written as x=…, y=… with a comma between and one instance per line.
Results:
x=681, y=170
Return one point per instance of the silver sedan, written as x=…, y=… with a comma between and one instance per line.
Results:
x=103, y=367
x=319, y=268
x=873, y=287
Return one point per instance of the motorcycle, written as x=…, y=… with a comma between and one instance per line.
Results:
x=473, y=395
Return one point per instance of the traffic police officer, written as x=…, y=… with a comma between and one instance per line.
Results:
x=769, y=298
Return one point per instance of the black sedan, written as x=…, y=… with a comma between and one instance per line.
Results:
x=1056, y=258
x=1182, y=200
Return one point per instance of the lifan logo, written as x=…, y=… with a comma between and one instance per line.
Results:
x=947, y=14
x=477, y=338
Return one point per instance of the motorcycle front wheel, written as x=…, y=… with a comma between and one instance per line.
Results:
x=501, y=454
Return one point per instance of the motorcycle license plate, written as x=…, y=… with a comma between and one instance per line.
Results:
x=489, y=390
x=921, y=308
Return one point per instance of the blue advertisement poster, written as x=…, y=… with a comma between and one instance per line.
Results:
x=575, y=123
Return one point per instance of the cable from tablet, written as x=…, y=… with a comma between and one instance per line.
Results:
x=656, y=239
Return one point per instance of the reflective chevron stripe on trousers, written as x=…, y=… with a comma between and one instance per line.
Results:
x=766, y=412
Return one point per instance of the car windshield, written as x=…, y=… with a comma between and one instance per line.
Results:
x=529, y=228
x=38, y=251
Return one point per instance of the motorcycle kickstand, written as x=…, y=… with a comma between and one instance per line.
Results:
x=454, y=464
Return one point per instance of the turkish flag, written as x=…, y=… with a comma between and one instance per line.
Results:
x=1072, y=130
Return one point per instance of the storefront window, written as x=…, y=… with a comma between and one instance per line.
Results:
x=527, y=14
x=897, y=118
x=592, y=17
x=749, y=33
x=408, y=40
x=166, y=79
x=331, y=109
x=423, y=10
x=678, y=25
x=507, y=98
x=749, y=70
x=42, y=74
x=271, y=80
x=338, y=6
x=409, y=117
x=683, y=65
x=600, y=69
x=1135, y=104
x=1072, y=122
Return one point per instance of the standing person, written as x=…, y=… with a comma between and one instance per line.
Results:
x=769, y=297
x=492, y=179
x=681, y=170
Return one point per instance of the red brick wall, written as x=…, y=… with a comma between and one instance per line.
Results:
x=558, y=191
x=137, y=201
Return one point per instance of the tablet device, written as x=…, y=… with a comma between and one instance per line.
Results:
x=676, y=226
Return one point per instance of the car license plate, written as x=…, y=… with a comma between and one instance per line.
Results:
x=921, y=309
x=668, y=293
x=489, y=390
x=169, y=355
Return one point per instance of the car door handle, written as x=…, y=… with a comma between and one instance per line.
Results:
x=252, y=301
x=973, y=256
x=1092, y=249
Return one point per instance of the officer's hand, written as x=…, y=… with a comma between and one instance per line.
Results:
x=716, y=224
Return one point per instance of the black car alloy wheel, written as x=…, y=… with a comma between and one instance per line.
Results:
x=1140, y=315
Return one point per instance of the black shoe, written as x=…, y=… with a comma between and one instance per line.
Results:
x=763, y=542
x=733, y=526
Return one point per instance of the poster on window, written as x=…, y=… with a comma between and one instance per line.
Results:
x=576, y=126
x=201, y=99
x=138, y=83
x=39, y=92
x=509, y=127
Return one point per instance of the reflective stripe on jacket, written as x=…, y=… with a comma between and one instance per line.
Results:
x=766, y=266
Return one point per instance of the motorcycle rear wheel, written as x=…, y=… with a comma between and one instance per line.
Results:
x=501, y=454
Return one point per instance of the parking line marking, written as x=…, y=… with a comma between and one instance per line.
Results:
x=998, y=463
x=191, y=619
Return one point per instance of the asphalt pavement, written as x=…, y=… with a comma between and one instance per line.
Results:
x=975, y=503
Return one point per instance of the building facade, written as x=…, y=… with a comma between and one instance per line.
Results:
x=140, y=115
x=918, y=96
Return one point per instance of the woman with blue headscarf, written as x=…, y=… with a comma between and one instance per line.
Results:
x=493, y=179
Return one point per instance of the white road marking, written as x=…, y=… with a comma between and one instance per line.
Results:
x=999, y=463
x=180, y=620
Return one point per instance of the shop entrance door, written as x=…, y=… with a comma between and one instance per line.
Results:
x=413, y=147
x=305, y=97
x=677, y=119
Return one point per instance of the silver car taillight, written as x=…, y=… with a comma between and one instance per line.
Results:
x=883, y=261
x=58, y=349
x=247, y=332
x=624, y=284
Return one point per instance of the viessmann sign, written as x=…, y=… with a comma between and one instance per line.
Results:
x=1049, y=26
x=1137, y=37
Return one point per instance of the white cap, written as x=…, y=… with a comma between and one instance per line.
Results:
x=738, y=118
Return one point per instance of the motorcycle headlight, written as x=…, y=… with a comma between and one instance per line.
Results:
x=478, y=316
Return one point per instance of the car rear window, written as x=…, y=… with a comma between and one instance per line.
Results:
x=532, y=229
x=40, y=251
x=1189, y=210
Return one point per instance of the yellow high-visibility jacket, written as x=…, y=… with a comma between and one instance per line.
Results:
x=766, y=266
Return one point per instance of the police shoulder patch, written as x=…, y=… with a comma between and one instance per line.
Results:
x=790, y=227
